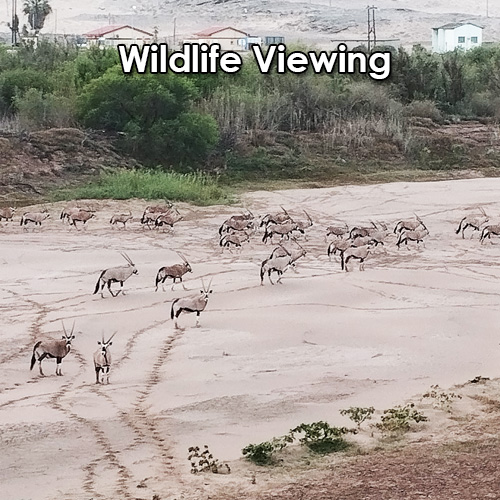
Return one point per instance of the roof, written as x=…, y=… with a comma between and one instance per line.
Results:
x=106, y=30
x=215, y=29
x=452, y=26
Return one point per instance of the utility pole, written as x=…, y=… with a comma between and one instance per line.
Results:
x=487, y=9
x=372, y=36
x=175, y=26
x=15, y=23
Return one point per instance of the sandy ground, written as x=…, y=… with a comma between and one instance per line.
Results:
x=265, y=358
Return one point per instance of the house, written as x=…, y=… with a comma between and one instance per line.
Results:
x=118, y=34
x=228, y=38
x=453, y=36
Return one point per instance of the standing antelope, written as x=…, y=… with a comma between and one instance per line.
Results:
x=338, y=246
x=417, y=235
x=283, y=230
x=36, y=217
x=102, y=360
x=117, y=274
x=193, y=304
x=275, y=264
x=52, y=349
x=277, y=218
x=359, y=253
x=177, y=271
x=410, y=224
x=168, y=219
x=122, y=218
x=7, y=213
x=235, y=225
x=152, y=212
x=337, y=230
x=473, y=221
x=234, y=239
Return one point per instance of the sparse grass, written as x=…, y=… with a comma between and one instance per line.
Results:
x=197, y=188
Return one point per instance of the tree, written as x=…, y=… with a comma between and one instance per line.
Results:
x=37, y=11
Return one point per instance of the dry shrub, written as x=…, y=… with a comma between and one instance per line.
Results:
x=424, y=109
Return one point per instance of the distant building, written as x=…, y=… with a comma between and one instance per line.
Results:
x=453, y=36
x=116, y=35
x=273, y=40
x=228, y=38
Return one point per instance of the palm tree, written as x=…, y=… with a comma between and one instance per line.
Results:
x=37, y=11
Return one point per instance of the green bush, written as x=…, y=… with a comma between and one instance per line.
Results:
x=399, y=419
x=321, y=438
x=38, y=110
x=358, y=415
x=264, y=453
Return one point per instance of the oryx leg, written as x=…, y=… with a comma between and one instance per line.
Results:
x=40, y=359
x=173, y=283
x=121, y=289
x=97, y=370
x=58, y=366
x=197, y=319
x=110, y=291
x=269, y=276
x=182, y=282
x=107, y=375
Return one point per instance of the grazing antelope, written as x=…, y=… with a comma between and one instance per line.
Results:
x=122, y=218
x=7, y=213
x=409, y=225
x=417, y=235
x=81, y=216
x=176, y=272
x=52, y=349
x=488, y=231
x=117, y=274
x=359, y=253
x=275, y=264
x=473, y=221
x=337, y=230
x=102, y=360
x=283, y=230
x=36, y=217
x=193, y=304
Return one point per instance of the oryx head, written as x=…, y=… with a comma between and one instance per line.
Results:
x=66, y=337
x=186, y=263
x=105, y=343
x=309, y=219
x=422, y=223
x=129, y=260
x=206, y=289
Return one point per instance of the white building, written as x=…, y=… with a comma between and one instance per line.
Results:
x=229, y=39
x=456, y=36
x=116, y=35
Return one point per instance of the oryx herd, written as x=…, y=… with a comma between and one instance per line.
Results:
x=287, y=233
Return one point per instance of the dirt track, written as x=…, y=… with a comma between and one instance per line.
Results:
x=265, y=358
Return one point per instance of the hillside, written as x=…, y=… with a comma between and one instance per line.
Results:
x=317, y=21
